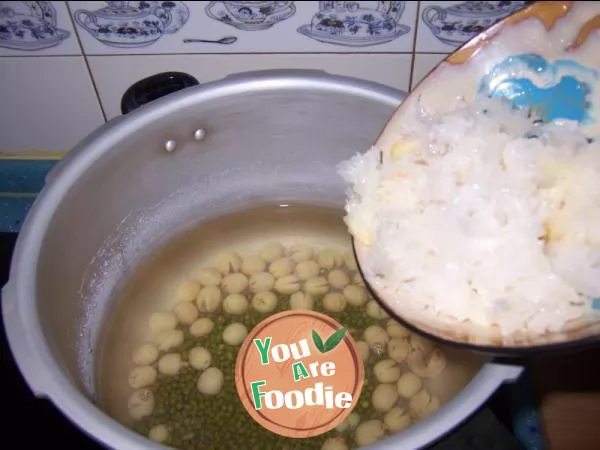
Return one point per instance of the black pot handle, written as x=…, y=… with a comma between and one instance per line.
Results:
x=154, y=87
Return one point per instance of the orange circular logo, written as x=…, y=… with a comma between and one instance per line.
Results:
x=299, y=373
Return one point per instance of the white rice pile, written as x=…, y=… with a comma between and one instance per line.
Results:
x=468, y=217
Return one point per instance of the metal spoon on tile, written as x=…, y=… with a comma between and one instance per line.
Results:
x=225, y=40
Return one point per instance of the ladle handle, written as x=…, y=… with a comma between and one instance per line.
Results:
x=155, y=87
x=508, y=373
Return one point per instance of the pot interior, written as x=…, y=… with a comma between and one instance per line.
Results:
x=134, y=221
x=194, y=419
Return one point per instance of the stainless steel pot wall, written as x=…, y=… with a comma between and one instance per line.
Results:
x=266, y=136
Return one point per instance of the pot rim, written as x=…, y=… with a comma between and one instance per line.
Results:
x=32, y=351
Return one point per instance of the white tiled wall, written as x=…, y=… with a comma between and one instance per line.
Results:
x=65, y=65
x=288, y=30
x=48, y=31
x=49, y=103
x=114, y=74
x=444, y=26
x=423, y=64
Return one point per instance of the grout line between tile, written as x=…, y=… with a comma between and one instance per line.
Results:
x=93, y=81
x=87, y=55
x=85, y=60
x=105, y=55
x=43, y=55
x=223, y=54
x=83, y=53
x=414, y=48
x=247, y=54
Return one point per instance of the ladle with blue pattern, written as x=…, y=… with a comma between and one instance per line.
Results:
x=545, y=58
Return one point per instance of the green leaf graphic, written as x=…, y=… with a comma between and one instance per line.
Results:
x=318, y=341
x=333, y=340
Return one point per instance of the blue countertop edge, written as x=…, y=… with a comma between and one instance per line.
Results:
x=24, y=175
x=13, y=211
x=21, y=179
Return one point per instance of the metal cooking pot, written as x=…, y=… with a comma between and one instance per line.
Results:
x=142, y=177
